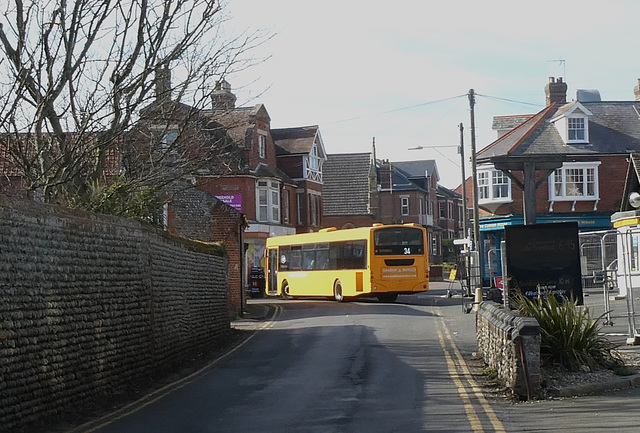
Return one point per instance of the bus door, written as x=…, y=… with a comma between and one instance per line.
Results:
x=273, y=271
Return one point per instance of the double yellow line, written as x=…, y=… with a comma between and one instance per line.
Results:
x=459, y=372
x=156, y=395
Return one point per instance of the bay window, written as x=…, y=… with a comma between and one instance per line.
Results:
x=268, y=201
x=493, y=185
x=574, y=181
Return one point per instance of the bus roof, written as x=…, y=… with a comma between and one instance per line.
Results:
x=332, y=234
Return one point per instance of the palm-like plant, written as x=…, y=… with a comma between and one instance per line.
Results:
x=569, y=335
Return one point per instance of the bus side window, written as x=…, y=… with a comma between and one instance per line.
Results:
x=322, y=259
x=308, y=259
x=295, y=260
x=285, y=258
x=359, y=260
x=335, y=254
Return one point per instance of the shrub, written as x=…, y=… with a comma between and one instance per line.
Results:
x=123, y=198
x=569, y=335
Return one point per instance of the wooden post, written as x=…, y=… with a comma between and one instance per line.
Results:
x=529, y=196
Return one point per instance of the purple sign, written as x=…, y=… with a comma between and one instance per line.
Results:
x=233, y=200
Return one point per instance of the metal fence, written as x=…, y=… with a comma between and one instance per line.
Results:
x=609, y=261
x=598, y=257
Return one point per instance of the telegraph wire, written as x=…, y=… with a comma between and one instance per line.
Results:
x=513, y=101
x=394, y=110
x=423, y=104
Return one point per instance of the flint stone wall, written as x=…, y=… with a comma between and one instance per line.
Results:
x=510, y=344
x=93, y=306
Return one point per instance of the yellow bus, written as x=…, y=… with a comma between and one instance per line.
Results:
x=380, y=261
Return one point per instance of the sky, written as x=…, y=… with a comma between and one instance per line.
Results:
x=400, y=71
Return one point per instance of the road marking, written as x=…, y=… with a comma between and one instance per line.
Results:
x=156, y=395
x=472, y=415
x=497, y=425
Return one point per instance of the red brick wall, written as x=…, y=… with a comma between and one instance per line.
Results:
x=234, y=185
x=611, y=179
x=226, y=227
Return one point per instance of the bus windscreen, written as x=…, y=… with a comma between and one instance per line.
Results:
x=398, y=241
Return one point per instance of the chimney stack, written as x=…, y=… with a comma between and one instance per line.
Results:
x=222, y=97
x=555, y=91
x=163, y=83
x=636, y=90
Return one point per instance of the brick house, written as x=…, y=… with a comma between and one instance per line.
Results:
x=567, y=162
x=450, y=213
x=274, y=201
x=253, y=182
x=408, y=194
x=359, y=191
x=300, y=154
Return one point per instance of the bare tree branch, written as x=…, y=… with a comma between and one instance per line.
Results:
x=77, y=77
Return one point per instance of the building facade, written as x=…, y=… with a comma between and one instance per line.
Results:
x=300, y=154
x=567, y=162
x=360, y=190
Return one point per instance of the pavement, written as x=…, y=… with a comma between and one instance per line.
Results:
x=615, y=328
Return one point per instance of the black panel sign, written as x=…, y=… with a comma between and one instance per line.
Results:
x=544, y=259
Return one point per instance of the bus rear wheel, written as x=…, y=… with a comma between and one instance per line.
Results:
x=285, y=291
x=337, y=291
x=388, y=297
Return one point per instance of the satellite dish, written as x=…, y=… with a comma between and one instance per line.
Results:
x=634, y=199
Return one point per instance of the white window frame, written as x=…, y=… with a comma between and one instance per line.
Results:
x=493, y=186
x=576, y=129
x=500, y=186
x=575, y=181
x=262, y=146
x=483, y=185
x=404, y=206
x=314, y=160
x=286, y=211
x=313, y=165
x=267, y=201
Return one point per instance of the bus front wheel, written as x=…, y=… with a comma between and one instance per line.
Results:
x=337, y=291
x=285, y=291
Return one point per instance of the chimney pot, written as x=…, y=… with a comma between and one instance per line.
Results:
x=222, y=96
x=555, y=91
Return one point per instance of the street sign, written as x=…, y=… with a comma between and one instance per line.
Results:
x=544, y=260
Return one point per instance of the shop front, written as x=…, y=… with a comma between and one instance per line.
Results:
x=492, y=235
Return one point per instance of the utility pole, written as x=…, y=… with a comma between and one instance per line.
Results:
x=474, y=172
x=465, y=217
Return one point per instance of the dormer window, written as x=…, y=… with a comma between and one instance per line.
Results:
x=572, y=123
x=576, y=129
